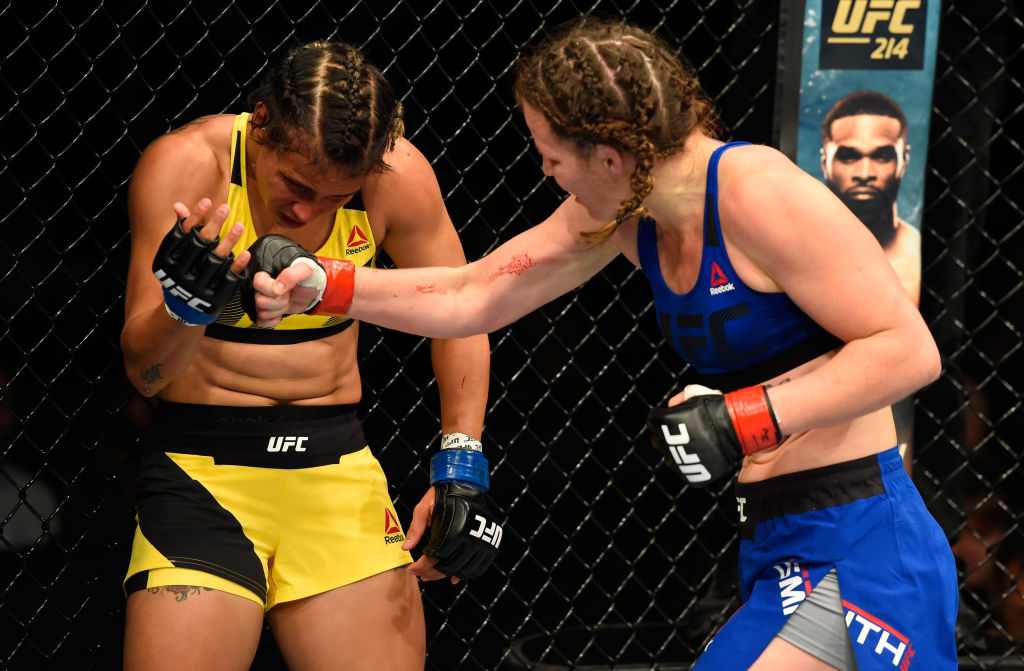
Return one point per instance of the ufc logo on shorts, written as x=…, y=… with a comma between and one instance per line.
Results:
x=285, y=443
x=689, y=464
x=491, y=534
x=179, y=293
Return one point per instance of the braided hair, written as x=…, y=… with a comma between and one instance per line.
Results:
x=598, y=81
x=326, y=102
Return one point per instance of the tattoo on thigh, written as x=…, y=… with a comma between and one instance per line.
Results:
x=179, y=592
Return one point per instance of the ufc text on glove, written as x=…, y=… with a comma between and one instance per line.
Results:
x=707, y=435
x=196, y=281
x=464, y=533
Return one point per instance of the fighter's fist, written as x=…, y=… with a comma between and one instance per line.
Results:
x=707, y=434
x=278, y=283
x=197, y=277
x=464, y=532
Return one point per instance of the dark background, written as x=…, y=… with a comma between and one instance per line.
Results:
x=606, y=557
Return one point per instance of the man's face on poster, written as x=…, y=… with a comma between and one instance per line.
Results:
x=863, y=164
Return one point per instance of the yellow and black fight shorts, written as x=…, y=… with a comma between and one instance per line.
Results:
x=271, y=504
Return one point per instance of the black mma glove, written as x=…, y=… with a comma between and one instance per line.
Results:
x=708, y=434
x=464, y=533
x=333, y=279
x=197, y=282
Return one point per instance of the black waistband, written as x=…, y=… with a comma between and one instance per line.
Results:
x=268, y=437
x=804, y=491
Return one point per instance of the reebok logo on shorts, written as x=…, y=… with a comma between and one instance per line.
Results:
x=392, y=529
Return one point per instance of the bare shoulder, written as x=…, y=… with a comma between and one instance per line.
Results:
x=405, y=155
x=407, y=211
x=408, y=185
x=190, y=159
x=756, y=168
x=759, y=184
x=209, y=132
x=407, y=168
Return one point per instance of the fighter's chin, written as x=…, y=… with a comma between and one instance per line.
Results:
x=288, y=222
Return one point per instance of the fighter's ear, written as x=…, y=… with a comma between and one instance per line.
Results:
x=904, y=156
x=826, y=160
x=259, y=114
x=611, y=158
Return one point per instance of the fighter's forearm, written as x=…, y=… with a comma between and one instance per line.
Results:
x=432, y=302
x=157, y=349
x=462, y=369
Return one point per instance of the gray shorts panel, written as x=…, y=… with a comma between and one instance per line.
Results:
x=818, y=626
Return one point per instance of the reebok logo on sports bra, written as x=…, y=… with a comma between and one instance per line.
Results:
x=732, y=335
x=351, y=238
x=357, y=241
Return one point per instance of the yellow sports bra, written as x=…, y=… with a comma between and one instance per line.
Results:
x=351, y=238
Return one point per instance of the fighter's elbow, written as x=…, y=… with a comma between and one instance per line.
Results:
x=473, y=305
x=928, y=362
x=934, y=364
x=147, y=380
x=486, y=313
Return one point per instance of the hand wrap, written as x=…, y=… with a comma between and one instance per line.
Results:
x=333, y=279
x=708, y=434
x=464, y=533
x=197, y=281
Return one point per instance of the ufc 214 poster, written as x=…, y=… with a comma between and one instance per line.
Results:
x=860, y=120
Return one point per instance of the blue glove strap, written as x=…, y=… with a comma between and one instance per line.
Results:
x=465, y=466
x=185, y=313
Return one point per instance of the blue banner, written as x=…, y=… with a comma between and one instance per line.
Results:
x=857, y=118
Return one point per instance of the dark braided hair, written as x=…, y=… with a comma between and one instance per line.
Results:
x=327, y=103
x=598, y=81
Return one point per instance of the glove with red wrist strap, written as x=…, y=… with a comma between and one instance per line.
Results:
x=333, y=279
x=708, y=434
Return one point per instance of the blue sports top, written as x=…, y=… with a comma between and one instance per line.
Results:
x=732, y=335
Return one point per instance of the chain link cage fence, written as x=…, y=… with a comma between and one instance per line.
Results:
x=608, y=561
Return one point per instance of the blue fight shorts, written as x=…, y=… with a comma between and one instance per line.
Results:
x=896, y=573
